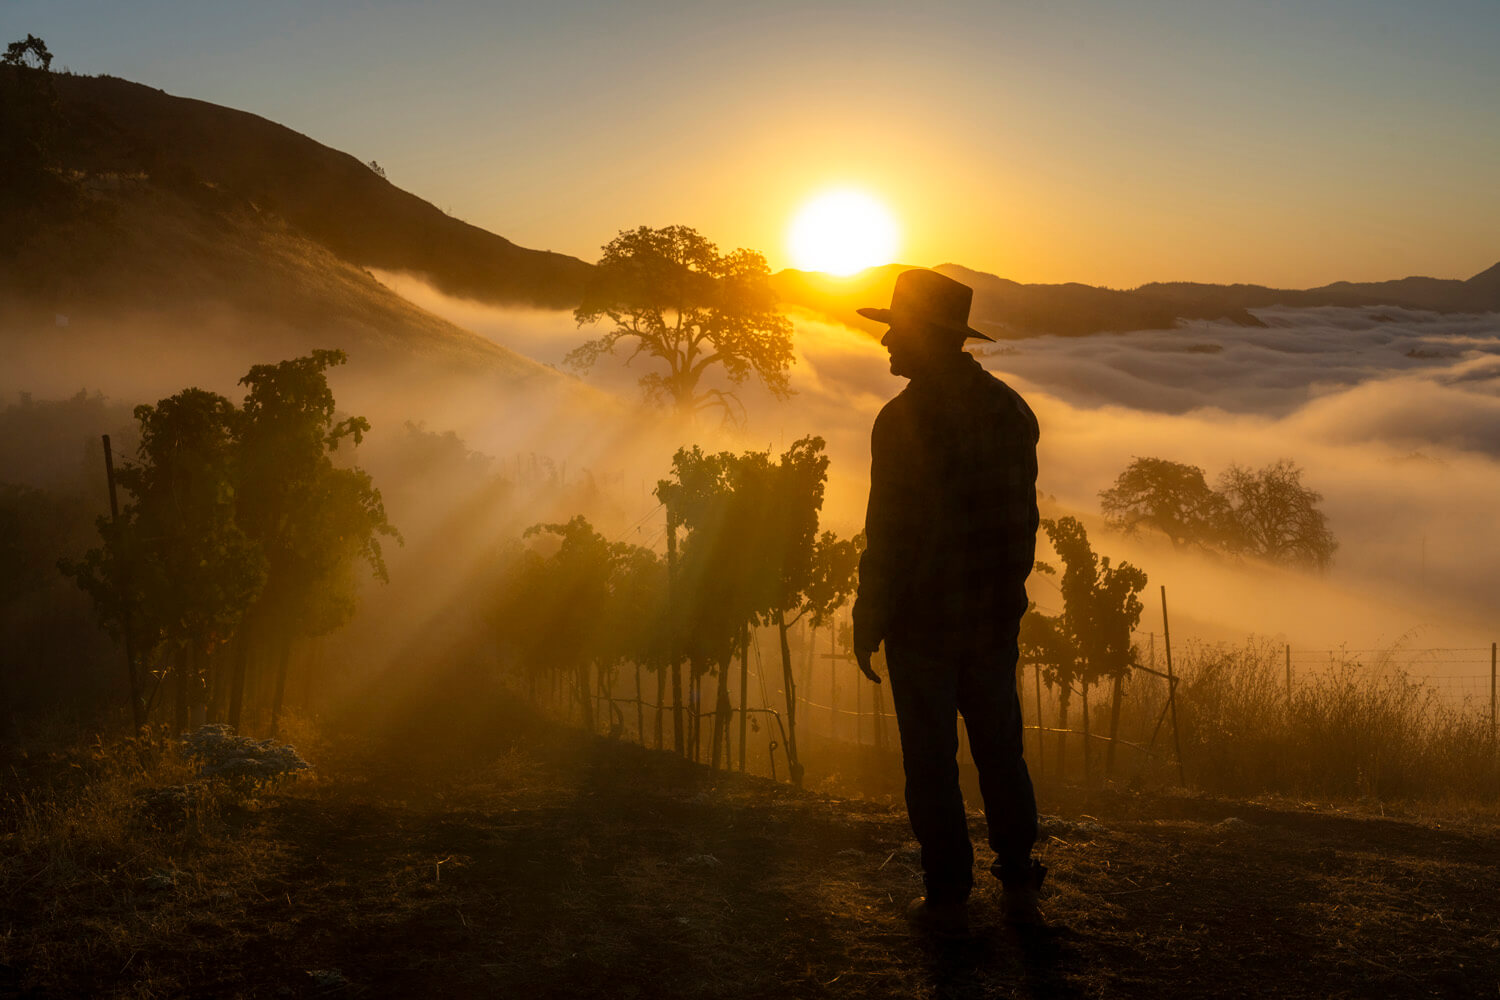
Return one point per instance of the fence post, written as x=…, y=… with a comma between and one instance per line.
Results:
x=673, y=654
x=1166, y=631
x=137, y=704
x=744, y=689
x=1492, y=692
x=1114, y=728
x=833, y=682
x=1041, y=737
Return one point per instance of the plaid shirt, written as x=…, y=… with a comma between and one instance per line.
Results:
x=951, y=527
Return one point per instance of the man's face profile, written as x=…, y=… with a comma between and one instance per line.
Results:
x=914, y=347
x=905, y=342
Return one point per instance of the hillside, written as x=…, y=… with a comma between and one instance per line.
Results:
x=114, y=126
x=181, y=199
x=119, y=246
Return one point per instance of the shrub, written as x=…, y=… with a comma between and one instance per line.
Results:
x=245, y=764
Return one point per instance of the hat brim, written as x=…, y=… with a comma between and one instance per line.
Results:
x=884, y=316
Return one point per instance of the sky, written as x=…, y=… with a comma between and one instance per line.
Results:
x=1281, y=143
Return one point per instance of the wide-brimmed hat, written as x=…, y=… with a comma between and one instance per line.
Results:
x=924, y=297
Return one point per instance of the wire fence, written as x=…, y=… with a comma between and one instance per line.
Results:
x=1461, y=676
x=1099, y=729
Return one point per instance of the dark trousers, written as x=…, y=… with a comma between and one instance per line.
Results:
x=931, y=684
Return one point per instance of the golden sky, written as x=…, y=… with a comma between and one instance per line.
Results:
x=1110, y=143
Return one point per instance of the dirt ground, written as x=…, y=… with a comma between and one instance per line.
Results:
x=574, y=866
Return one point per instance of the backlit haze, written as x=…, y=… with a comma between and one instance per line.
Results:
x=1112, y=144
x=1107, y=143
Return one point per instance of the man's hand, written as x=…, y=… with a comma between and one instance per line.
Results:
x=862, y=657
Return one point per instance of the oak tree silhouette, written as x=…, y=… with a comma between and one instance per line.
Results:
x=675, y=298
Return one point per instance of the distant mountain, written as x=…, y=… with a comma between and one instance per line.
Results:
x=1007, y=309
x=1002, y=308
x=160, y=204
x=1480, y=293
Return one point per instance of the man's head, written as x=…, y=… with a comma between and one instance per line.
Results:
x=928, y=318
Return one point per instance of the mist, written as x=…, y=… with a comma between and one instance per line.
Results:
x=1394, y=416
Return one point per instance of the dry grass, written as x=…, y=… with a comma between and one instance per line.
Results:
x=117, y=857
x=1355, y=731
x=525, y=859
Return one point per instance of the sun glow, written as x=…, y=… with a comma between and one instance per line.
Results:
x=841, y=232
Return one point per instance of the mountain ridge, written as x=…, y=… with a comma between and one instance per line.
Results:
x=119, y=126
x=218, y=166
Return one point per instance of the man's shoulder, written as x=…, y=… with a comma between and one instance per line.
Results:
x=1004, y=401
x=899, y=410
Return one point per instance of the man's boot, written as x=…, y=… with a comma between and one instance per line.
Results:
x=942, y=919
x=1022, y=890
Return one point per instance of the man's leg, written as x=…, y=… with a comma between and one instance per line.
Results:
x=991, y=707
x=924, y=690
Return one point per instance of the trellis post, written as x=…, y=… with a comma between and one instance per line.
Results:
x=1166, y=632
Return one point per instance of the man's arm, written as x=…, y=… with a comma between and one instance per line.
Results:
x=872, y=604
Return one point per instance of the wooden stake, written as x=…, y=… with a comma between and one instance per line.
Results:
x=673, y=654
x=744, y=688
x=1041, y=737
x=137, y=706
x=1114, y=727
x=833, y=682
x=1088, y=741
x=1166, y=632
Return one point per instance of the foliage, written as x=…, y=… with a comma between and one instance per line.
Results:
x=1267, y=513
x=753, y=552
x=1169, y=497
x=246, y=764
x=237, y=515
x=833, y=575
x=312, y=519
x=1276, y=517
x=29, y=120
x=176, y=562
x=681, y=302
x=1090, y=640
x=591, y=603
x=30, y=53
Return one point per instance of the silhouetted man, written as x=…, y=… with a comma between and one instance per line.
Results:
x=951, y=538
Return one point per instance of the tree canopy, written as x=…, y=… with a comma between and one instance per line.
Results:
x=1169, y=497
x=1266, y=513
x=676, y=299
x=237, y=521
x=1277, y=518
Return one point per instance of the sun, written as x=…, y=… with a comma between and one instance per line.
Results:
x=841, y=232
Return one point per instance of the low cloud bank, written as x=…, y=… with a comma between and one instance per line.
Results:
x=1394, y=415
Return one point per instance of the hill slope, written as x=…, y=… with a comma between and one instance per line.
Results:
x=143, y=244
x=117, y=126
x=129, y=142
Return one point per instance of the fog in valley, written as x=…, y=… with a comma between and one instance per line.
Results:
x=1391, y=414
x=1394, y=416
